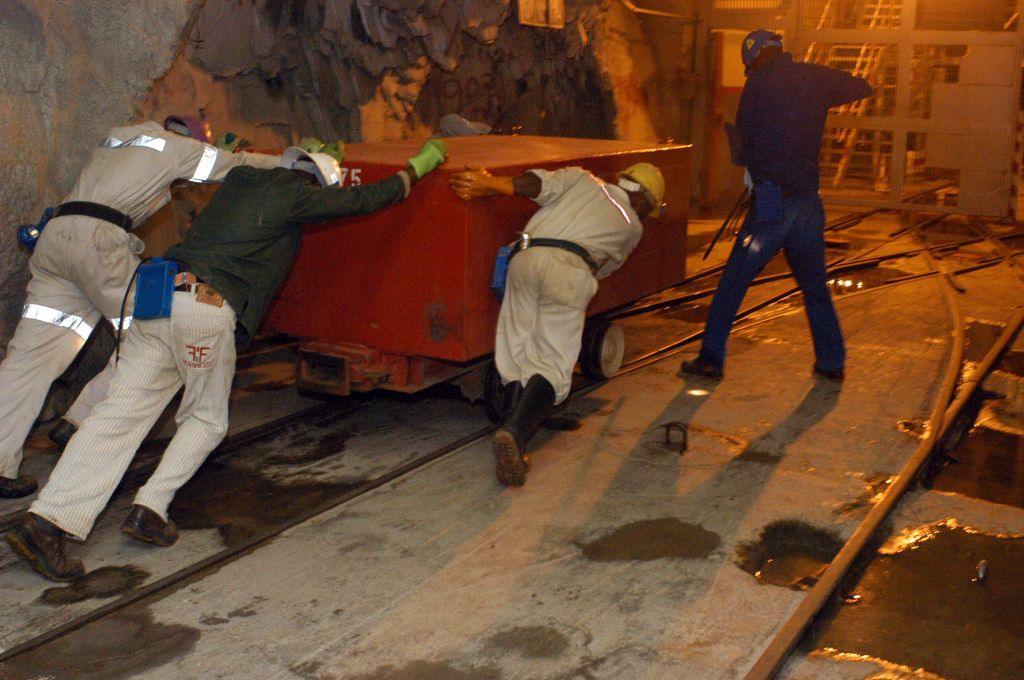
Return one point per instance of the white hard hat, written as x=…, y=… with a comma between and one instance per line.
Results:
x=326, y=169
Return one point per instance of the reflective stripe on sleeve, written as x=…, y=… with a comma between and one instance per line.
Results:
x=155, y=143
x=57, y=318
x=117, y=320
x=205, y=167
x=622, y=210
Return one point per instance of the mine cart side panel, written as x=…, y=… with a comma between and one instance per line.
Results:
x=413, y=279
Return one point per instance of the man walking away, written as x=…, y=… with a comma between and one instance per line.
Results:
x=781, y=120
x=231, y=264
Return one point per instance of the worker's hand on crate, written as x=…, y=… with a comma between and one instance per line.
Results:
x=431, y=154
x=474, y=182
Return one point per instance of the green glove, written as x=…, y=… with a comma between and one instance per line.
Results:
x=335, y=149
x=430, y=155
x=310, y=144
x=228, y=141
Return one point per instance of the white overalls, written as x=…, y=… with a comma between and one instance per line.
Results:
x=540, y=327
x=81, y=267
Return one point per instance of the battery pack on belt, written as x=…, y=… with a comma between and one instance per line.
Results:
x=95, y=210
x=530, y=242
x=155, y=289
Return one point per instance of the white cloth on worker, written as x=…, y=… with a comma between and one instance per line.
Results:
x=195, y=347
x=578, y=207
x=540, y=327
x=81, y=265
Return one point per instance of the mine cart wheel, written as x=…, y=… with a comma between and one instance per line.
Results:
x=494, y=394
x=604, y=345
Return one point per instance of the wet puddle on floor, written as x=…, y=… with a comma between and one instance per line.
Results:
x=913, y=427
x=243, y=506
x=102, y=582
x=922, y=605
x=1013, y=362
x=789, y=553
x=531, y=642
x=118, y=646
x=875, y=487
x=989, y=465
x=859, y=279
x=652, y=539
x=979, y=336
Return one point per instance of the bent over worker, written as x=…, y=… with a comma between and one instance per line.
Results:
x=781, y=120
x=83, y=261
x=231, y=264
x=585, y=229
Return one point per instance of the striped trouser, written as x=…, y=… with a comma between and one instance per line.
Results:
x=194, y=348
x=80, y=269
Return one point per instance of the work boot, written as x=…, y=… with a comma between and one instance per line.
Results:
x=144, y=525
x=835, y=376
x=18, y=487
x=509, y=442
x=61, y=433
x=43, y=545
x=702, y=367
x=509, y=397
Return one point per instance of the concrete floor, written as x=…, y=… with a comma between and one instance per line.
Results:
x=620, y=558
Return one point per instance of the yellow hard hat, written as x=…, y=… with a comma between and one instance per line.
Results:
x=649, y=177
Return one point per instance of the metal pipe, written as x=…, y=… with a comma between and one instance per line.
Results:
x=686, y=18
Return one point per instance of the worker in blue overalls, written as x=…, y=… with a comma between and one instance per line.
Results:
x=781, y=120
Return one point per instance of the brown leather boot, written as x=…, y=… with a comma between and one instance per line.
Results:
x=61, y=433
x=42, y=544
x=144, y=525
x=17, y=488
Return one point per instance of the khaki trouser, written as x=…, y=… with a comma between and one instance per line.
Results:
x=195, y=347
x=80, y=269
x=540, y=327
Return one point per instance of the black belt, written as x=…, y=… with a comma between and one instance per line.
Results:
x=96, y=210
x=531, y=242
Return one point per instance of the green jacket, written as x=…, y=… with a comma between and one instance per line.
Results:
x=245, y=240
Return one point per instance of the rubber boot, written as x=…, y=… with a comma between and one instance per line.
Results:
x=509, y=397
x=509, y=442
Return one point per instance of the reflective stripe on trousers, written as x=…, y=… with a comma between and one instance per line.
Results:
x=57, y=318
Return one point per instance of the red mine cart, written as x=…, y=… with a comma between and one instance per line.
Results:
x=401, y=299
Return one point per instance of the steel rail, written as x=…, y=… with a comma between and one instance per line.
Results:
x=229, y=554
x=944, y=413
x=837, y=266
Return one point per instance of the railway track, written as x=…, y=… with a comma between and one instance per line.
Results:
x=791, y=629
x=952, y=398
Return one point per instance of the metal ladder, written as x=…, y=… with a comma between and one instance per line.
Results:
x=863, y=61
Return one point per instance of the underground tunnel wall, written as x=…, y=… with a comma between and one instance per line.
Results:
x=274, y=71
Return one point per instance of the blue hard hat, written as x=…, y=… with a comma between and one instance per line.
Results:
x=757, y=41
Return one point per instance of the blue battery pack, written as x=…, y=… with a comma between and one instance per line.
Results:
x=768, y=202
x=154, y=289
x=500, y=271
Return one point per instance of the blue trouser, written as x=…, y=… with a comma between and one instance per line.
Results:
x=801, y=236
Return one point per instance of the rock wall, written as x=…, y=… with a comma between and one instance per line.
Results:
x=68, y=72
x=369, y=70
x=277, y=70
